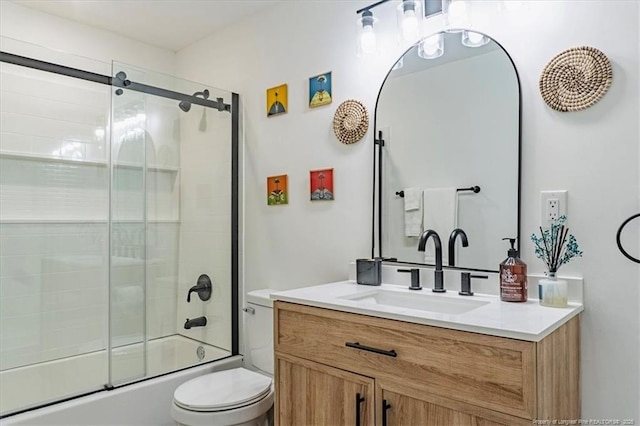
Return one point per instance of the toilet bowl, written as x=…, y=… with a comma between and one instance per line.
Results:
x=236, y=397
x=230, y=397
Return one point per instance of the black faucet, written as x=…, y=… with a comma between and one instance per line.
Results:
x=438, y=275
x=196, y=322
x=202, y=287
x=452, y=244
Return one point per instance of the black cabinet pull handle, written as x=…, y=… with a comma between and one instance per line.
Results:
x=385, y=407
x=357, y=345
x=359, y=400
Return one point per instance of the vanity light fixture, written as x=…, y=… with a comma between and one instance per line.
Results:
x=367, y=43
x=410, y=13
x=456, y=14
x=431, y=47
x=410, y=19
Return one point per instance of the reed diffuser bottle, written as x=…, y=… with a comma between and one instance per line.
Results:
x=555, y=247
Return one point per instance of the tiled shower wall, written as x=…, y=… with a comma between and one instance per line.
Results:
x=54, y=248
x=53, y=289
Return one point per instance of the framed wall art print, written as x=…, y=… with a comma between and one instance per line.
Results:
x=320, y=90
x=277, y=190
x=321, y=184
x=277, y=100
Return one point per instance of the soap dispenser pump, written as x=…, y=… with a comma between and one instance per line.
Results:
x=513, y=276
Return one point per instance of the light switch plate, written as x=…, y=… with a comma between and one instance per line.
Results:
x=553, y=204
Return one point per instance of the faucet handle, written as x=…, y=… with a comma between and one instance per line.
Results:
x=202, y=288
x=415, y=278
x=465, y=285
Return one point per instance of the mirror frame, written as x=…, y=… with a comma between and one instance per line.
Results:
x=378, y=153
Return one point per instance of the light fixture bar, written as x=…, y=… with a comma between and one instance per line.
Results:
x=371, y=6
x=431, y=7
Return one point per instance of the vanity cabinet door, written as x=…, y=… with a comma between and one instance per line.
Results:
x=403, y=406
x=309, y=393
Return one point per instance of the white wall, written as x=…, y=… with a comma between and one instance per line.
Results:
x=592, y=153
x=304, y=242
x=53, y=32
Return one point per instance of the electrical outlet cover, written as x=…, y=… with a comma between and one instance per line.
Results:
x=553, y=204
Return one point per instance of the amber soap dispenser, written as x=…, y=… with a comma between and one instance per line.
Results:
x=513, y=276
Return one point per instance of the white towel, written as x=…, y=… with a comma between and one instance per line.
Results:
x=412, y=212
x=440, y=213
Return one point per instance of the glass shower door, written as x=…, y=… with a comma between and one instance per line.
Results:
x=54, y=189
x=170, y=224
x=128, y=231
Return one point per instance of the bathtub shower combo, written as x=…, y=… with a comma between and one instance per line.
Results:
x=118, y=225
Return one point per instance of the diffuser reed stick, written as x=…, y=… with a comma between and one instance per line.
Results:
x=555, y=246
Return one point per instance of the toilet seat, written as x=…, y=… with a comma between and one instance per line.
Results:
x=222, y=391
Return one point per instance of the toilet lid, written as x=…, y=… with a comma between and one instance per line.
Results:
x=222, y=390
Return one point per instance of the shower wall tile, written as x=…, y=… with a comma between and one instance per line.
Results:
x=89, y=111
x=55, y=191
x=54, y=293
x=205, y=219
x=52, y=115
x=53, y=290
x=53, y=87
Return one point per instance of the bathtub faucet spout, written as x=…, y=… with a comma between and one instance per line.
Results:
x=196, y=322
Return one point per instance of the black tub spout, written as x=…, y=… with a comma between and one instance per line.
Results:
x=196, y=322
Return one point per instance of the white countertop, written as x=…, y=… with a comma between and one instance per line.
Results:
x=524, y=321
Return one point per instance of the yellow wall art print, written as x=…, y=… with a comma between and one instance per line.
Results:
x=277, y=102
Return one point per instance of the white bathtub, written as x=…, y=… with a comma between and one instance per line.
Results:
x=49, y=381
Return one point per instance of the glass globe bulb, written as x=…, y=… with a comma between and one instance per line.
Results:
x=457, y=15
x=474, y=37
x=368, y=42
x=431, y=47
x=410, y=26
x=457, y=10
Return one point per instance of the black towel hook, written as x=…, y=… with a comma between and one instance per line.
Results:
x=624, y=252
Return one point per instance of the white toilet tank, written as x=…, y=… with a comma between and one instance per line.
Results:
x=259, y=326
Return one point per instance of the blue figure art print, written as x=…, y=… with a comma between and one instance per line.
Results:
x=320, y=90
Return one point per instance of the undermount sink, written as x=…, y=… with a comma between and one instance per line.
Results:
x=414, y=300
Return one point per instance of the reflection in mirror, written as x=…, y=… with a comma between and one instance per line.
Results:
x=450, y=122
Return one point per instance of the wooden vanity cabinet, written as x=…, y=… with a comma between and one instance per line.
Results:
x=335, y=368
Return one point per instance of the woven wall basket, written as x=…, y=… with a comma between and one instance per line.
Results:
x=575, y=79
x=350, y=122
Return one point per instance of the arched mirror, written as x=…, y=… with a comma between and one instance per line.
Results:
x=449, y=124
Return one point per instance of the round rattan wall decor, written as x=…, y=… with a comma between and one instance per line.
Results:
x=351, y=121
x=575, y=79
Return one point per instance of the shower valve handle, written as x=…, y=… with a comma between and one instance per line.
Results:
x=202, y=287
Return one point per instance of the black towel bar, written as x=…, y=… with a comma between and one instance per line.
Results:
x=475, y=190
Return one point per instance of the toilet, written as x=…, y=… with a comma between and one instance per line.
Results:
x=236, y=397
